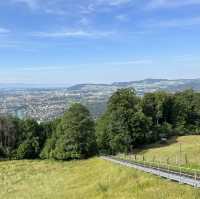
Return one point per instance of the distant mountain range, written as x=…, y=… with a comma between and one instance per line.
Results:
x=142, y=86
x=45, y=102
x=95, y=96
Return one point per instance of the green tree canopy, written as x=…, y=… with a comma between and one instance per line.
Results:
x=75, y=135
x=123, y=124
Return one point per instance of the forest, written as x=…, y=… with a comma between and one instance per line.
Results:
x=129, y=122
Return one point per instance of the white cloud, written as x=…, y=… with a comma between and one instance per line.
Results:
x=54, y=11
x=113, y=2
x=4, y=31
x=122, y=18
x=47, y=68
x=4, y=45
x=132, y=62
x=186, y=57
x=171, y=3
x=174, y=23
x=61, y=7
x=30, y=3
x=67, y=6
x=74, y=34
x=62, y=68
x=84, y=21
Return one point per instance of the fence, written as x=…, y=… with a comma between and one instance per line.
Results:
x=183, y=173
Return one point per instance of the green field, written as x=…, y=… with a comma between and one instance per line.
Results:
x=97, y=178
x=183, y=150
x=94, y=178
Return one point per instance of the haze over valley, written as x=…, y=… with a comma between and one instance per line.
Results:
x=44, y=103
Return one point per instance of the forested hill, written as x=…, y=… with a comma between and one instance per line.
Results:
x=128, y=122
x=141, y=86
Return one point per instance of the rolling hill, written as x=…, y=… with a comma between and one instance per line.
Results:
x=96, y=178
x=175, y=151
x=90, y=179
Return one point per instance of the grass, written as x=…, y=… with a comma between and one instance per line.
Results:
x=89, y=179
x=184, y=151
x=100, y=179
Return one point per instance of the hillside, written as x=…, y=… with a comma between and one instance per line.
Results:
x=177, y=149
x=141, y=87
x=90, y=179
x=46, y=102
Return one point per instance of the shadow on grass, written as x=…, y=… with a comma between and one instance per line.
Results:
x=143, y=149
x=103, y=188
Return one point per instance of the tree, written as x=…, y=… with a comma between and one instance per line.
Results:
x=122, y=106
x=186, y=111
x=30, y=140
x=49, y=147
x=149, y=106
x=123, y=126
x=158, y=106
x=102, y=134
x=75, y=135
x=29, y=149
x=141, y=127
x=50, y=141
x=9, y=134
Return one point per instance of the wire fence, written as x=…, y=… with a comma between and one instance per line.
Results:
x=166, y=167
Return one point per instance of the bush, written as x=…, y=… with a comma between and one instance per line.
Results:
x=28, y=149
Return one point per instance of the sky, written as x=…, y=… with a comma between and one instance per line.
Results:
x=98, y=41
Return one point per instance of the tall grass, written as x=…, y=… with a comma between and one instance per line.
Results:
x=90, y=179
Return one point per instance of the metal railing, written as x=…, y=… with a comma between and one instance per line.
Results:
x=178, y=170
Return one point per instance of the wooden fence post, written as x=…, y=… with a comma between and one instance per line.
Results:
x=195, y=177
x=180, y=175
x=168, y=170
x=186, y=159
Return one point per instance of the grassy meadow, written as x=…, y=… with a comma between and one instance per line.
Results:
x=183, y=150
x=89, y=179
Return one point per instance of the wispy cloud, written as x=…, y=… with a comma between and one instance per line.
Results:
x=66, y=67
x=96, y=6
x=74, y=34
x=186, y=58
x=4, y=31
x=122, y=18
x=30, y=3
x=131, y=62
x=7, y=45
x=113, y=2
x=43, y=68
x=55, y=11
x=62, y=7
x=171, y=3
x=84, y=21
x=175, y=23
x=67, y=6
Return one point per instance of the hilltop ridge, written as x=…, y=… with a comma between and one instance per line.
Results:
x=45, y=102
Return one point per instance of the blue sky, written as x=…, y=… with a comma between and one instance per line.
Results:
x=99, y=41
